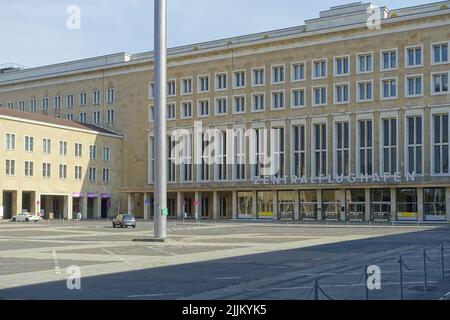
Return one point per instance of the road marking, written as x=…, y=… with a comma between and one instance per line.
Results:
x=55, y=260
x=445, y=297
x=278, y=267
x=117, y=257
x=154, y=295
x=162, y=251
x=228, y=278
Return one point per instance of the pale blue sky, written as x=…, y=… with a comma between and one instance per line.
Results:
x=34, y=33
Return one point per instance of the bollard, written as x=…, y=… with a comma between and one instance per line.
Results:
x=367, y=285
x=400, y=261
x=316, y=290
x=425, y=280
x=442, y=261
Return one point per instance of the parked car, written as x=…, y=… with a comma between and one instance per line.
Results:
x=26, y=217
x=124, y=221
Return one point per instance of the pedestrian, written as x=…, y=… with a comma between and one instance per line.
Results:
x=79, y=216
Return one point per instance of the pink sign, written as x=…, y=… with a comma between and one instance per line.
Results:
x=196, y=203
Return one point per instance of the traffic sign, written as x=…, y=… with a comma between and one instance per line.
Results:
x=196, y=203
x=165, y=212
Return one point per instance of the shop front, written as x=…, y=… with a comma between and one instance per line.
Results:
x=264, y=205
x=355, y=205
x=407, y=205
x=435, y=204
x=245, y=205
x=286, y=205
x=380, y=205
x=308, y=205
x=331, y=205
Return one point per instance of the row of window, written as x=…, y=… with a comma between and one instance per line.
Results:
x=10, y=170
x=319, y=97
x=29, y=146
x=319, y=70
x=318, y=144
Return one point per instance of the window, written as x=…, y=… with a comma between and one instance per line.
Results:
x=63, y=148
x=171, y=111
x=106, y=154
x=78, y=150
x=414, y=86
x=186, y=110
x=319, y=164
x=342, y=149
x=277, y=100
x=319, y=97
x=298, y=98
x=171, y=88
x=203, y=108
x=365, y=91
x=258, y=145
x=96, y=117
x=440, y=53
x=46, y=146
x=239, y=155
x=388, y=60
x=92, y=152
x=151, y=160
x=57, y=103
x=221, y=106
x=258, y=102
x=111, y=95
x=258, y=77
x=45, y=104
x=29, y=169
x=69, y=116
x=239, y=104
x=96, y=97
x=414, y=57
x=414, y=156
x=440, y=152
x=10, y=141
x=239, y=79
x=439, y=83
x=10, y=167
x=69, y=101
x=365, y=63
x=278, y=74
x=389, y=146
x=341, y=93
x=83, y=99
x=92, y=174
x=10, y=105
x=319, y=69
x=22, y=106
x=278, y=149
x=298, y=71
x=342, y=66
x=46, y=170
x=221, y=81
x=83, y=117
x=299, y=151
x=186, y=158
x=171, y=160
x=151, y=114
x=106, y=175
x=389, y=89
x=29, y=144
x=110, y=116
x=204, y=167
x=203, y=84
x=151, y=91
x=186, y=85
x=78, y=173
x=221, y=164
x=365, y=148
x=33, y=107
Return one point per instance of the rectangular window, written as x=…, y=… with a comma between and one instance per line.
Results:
x=10, y=105
x=298, y=71
x=45, y=104
x=389, y=88
x=258, y=77
x=239, y=104
x=29, y=169
x=92, y=152
x=46, y=146
x=29, y=144
x=365, y=63
x=78, y=173
x=319, y=149
x=440, y=53
x=92, y=174
x=186, y=158
x=319, y=69
x=239, y=79
x=221, y=165
x=221, y=81
x=151, y=91
x=440, y=83
x=277, y=100
x=414, y=156
x=106, y=154
x=365, y=91
x=203, y=84
x=171, y=88
x=239, y=155
x=83, y=99
x=96, y=117
x=389, y=60
x=389, y=146
x=69, y=101
x=204, y=167
x=259, y=146
x=319, y=97
x=46, y=170
x=57, y=103
x=186, y=110
x=299, y=150
x=342, y=66
x=341, y=93
x=10, y=167
x=298, y=98
x=221, y=106
x=96, y=97
x=106, y=175
x=111, y=95
x=10, y=141
x=63, y=148
x=22, y=106
x=203, y=108
x=110, y=116
x=33, y=104
x=83, y=117
x=278, y=74
x=414, y=57
x=342, y=152
x=78, y=150
x=151, y=114
x=278, y=148
x=440, y=151
x=365, y=147
x=69, y=116
x=414, y=86
x=186, y=85
x=171, y=160
x=171, y=111
x=258, y=102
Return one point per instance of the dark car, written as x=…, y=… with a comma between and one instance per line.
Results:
x=124, y=221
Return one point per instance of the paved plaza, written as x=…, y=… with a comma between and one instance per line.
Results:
x=223, y=260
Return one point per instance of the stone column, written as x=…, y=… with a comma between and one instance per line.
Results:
x=17, y=202
x=319, y=205
x=68, y=206
x=98, y=208
x=367, y=199
x=130, y=203
x=84, y=206
x=420, y=206
x=275, y=206
x=297, y=206
x=393, y=204
x=180, y=206
x=343, y=205
x=146, y=207
x=197, y=209
x=255, y=204
x=234, y=205
x=215, y=208
x=2, y=210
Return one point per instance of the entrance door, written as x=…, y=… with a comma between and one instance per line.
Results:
x=105, y=208
x=7, y=205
